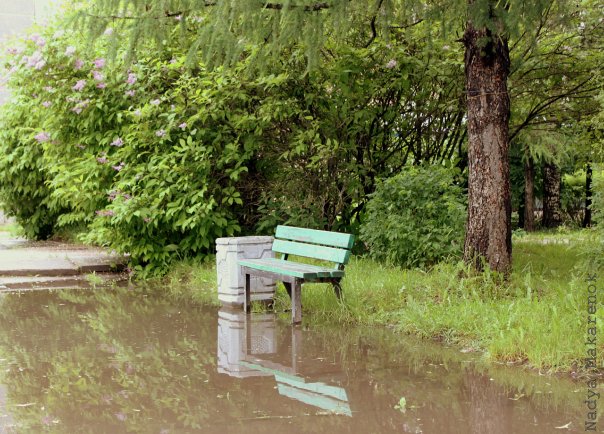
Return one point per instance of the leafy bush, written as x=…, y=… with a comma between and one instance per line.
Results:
x=150, y=157
x=23, y=190
x=416, y=218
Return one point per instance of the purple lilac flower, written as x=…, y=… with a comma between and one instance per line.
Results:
x=160, y=133
x=130, y=92
x=102, y=160
x=78, y=64
x=131, y=78
x=105, y=213
x=155, y=102
x=99, y=63
x=12, y=50
x=183, y=126
x=178, y=17
x=117, y=142
x=391, y=64
x=80, y=106
x=108, y=31
x=137, y=112
x=119, y=167
x=101, y=85
x=81, y=84
x=35, y=60
x=46, y=104
x=42, y=137
x=97, y=75
x=41, y=42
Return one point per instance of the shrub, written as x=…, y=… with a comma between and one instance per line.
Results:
x=23, y=190
x=416, y=218
x=150, y=157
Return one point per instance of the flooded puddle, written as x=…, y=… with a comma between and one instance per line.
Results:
x=118, y=360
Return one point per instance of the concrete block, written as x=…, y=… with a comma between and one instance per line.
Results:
x=231, y=281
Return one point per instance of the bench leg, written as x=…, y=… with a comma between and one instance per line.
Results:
x=297, y=301
x=288, y=288
x=248, y=304
x=337, y=287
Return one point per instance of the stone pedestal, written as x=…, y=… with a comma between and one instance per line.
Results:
x=231, y=281
x=241, y=335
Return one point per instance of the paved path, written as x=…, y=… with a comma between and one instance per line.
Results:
x=49, y=263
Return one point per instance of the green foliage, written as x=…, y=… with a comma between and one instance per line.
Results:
x=352, y=132
x=23, y=190
x=150, y=159
x=416, y=218
x=595, y=250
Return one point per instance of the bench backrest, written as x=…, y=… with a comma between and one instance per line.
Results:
x=311, y=243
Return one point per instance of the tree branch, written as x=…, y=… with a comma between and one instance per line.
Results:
x=309, y=8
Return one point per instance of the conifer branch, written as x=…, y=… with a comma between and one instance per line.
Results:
x=309, y=8
x=167, y=14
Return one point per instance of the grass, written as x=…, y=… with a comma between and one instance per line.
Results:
x=9, y=229
x=536, y=318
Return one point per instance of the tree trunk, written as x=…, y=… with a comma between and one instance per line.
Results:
x=588, y=196
x=529, y=194
x=489, y=227
x=552, y=215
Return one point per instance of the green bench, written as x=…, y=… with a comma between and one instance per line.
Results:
x=323, y=245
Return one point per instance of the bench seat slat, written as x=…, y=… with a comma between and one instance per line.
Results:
x=303, y=271
x=332, y=254
x=320, y=270
x=313, y=236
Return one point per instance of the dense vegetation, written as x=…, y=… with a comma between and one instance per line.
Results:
x=153, y=154
x=157, y=147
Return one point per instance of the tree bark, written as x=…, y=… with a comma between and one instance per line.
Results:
x=588, y=196
x=489, y=226
x=529, y=194
x=552, y=214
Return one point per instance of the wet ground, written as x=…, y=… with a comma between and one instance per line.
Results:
x=24, y=259
x=126, y=360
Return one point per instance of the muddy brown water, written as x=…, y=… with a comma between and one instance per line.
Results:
x=119, y=360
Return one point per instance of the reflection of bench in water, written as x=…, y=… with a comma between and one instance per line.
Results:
x=248, y=346
x=321, y=395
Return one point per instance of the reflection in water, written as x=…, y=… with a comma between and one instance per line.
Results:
x=245, y=344
x=116, y=361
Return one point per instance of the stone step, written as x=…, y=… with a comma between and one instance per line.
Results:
x=21, y=283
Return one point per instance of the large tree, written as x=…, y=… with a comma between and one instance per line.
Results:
x=266, y=31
